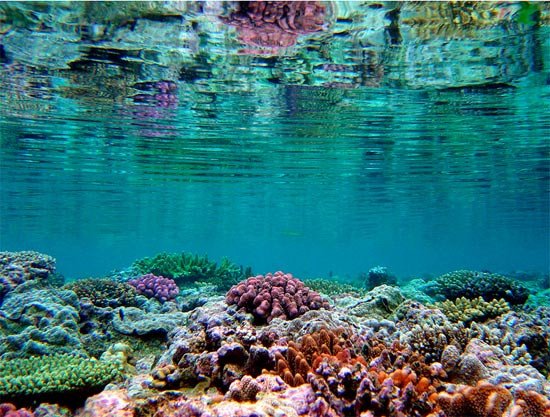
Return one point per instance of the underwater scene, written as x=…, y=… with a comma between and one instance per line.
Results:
x=274, y=209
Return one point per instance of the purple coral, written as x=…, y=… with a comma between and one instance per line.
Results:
x=152, y=286
x=275, y=295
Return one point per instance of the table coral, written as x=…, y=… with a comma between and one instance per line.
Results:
x=277, y=295
x=152, y=286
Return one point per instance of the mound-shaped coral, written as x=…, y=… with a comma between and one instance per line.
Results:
x=152, y=286
x=277, y=295
x=104, y=292
x=473, y=284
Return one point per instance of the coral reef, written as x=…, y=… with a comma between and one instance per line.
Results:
x=152, y=286
x=333, y=288
x=276, y=295
x=473, y=284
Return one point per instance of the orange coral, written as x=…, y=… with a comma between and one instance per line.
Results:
x=483, y=400
x=530, y=404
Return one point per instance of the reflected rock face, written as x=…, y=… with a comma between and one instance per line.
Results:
x=276, y=23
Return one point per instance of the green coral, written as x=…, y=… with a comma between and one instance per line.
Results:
x=473, y=284
x=331, y=287
x=104, y=292
x=52, y=376
x=463, y=310
x=188, y=268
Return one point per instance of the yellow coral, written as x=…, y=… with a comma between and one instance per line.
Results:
x=465, y=310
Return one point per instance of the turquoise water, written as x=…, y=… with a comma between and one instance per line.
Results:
x=345, y=150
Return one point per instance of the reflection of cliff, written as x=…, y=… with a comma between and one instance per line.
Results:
x=242, y=46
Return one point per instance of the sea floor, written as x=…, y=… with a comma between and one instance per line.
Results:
x=211, y=341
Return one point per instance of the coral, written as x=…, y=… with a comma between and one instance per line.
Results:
x=19, y=267
x=187, y=268
x=152, y=286
x=428, y=331
x=115, y=403
x=40, y=322
x=379, y=302
x=136, y=322
x=530, y=404
x=477, y=309
x=244, y=389
x=53, y=377
x=10, y=410
x=104, y=292
x=483, y=400
x=277, y=295
x=276, y=23
x=379, y=275
x=472, y=284
x=333, y=288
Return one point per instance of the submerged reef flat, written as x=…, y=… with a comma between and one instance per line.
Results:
x=137, y=343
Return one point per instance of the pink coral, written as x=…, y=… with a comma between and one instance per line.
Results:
x=275, y=295
x=163, y=289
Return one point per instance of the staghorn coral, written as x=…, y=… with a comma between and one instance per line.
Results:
x=104, y=292
x=467, y=310
x=187, y=268
x=277, y=295
x=152, y=286
x=473, y=284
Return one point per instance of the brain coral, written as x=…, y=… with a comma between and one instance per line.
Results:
x=274, y=295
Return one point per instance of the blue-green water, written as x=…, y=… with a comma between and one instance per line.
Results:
x=429, y=165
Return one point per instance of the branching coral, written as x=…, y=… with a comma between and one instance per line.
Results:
x=187, y=268
x=54, y=376
x=464, y=310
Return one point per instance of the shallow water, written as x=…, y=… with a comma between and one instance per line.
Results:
x=353, y=147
